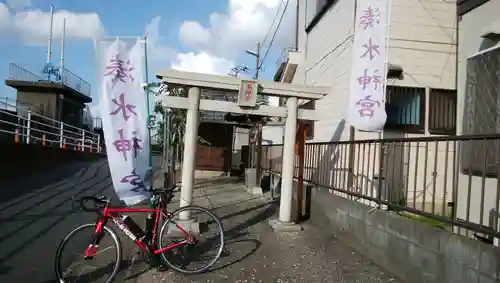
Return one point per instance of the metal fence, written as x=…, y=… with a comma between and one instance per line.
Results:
x=435, y=178
x=21, y=125
x=57, y=75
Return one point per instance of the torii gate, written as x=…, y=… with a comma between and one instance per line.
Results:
x=247, y=92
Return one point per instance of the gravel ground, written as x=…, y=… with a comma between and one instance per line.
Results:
x=258, y=254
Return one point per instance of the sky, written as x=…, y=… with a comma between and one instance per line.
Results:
x=208, y=36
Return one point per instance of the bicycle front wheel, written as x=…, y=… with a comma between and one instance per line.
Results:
x=70, y=262
x=203, y=249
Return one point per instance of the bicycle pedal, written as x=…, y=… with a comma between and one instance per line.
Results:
x=146, y=258
x=161, y=268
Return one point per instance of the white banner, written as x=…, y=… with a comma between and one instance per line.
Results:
x=124, y=113
x=369, y=66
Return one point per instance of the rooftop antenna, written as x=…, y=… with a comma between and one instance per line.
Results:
x=49, y=52
x=63, y=38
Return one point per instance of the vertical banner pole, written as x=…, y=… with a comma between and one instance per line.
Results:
x=352, y=130
x=146, y=92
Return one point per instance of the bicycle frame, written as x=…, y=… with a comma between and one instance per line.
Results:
x=111, y=213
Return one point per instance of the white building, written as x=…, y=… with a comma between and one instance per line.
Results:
x=421, y=96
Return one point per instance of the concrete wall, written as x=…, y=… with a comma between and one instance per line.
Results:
x=22, y=160
x=44, y=102
x=414, y=251
x=470, y=42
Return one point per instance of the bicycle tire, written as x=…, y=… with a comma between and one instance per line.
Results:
x=63, y=243
x=167, y=221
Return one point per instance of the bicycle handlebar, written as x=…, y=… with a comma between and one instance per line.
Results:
x=97, y=201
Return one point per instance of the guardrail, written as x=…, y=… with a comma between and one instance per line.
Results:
x=21, y=125
x=449, y=181
x=57, y=75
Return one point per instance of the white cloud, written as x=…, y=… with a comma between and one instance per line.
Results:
x=202, y=63
x=194, y=33
x=33, y=26
x=157, y=51
x=245, y=23
x=215, y=46
x=19, y=4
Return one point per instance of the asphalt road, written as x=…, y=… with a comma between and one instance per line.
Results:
x=38, y=212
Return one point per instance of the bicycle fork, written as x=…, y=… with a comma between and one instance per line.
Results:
x=97, y=236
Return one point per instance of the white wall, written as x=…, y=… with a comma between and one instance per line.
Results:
x=422, y=41
x=240, y=139
x=470, y=42
x=273, y=134
x=327, y=51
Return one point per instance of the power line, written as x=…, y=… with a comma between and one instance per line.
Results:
x=272, y=24
x=274, y=34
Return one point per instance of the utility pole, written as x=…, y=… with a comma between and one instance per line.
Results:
x=256, y=54
x=258, y=131
x=257, y=62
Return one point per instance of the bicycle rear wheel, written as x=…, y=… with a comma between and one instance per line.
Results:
x=201, y=223
x=82, y=237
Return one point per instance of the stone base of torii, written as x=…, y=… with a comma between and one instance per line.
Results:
x=247, y=92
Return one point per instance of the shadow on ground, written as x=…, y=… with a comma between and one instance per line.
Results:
x=39, y=212
x=239, y=242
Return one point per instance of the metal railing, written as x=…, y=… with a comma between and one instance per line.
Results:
x=21, y=125
x=16, y=72
x=283, y=57
x=75, y=82
x=7, y=103
x=451, y=181
x=39, y=74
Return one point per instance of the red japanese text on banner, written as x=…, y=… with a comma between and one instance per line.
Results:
x=369, y=66
x=123, y=107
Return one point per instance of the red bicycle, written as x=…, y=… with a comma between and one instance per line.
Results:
x=182, y=230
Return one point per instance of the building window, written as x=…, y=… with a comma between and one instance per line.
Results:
x=405, y=108
x=443, y=111
x=315, y=9
x=481, y=114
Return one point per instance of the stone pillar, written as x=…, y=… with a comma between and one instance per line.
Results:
x=284, y=222
x=190, y=144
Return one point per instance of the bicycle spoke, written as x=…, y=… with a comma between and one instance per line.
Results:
x=195, y=256
x=93, y=268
